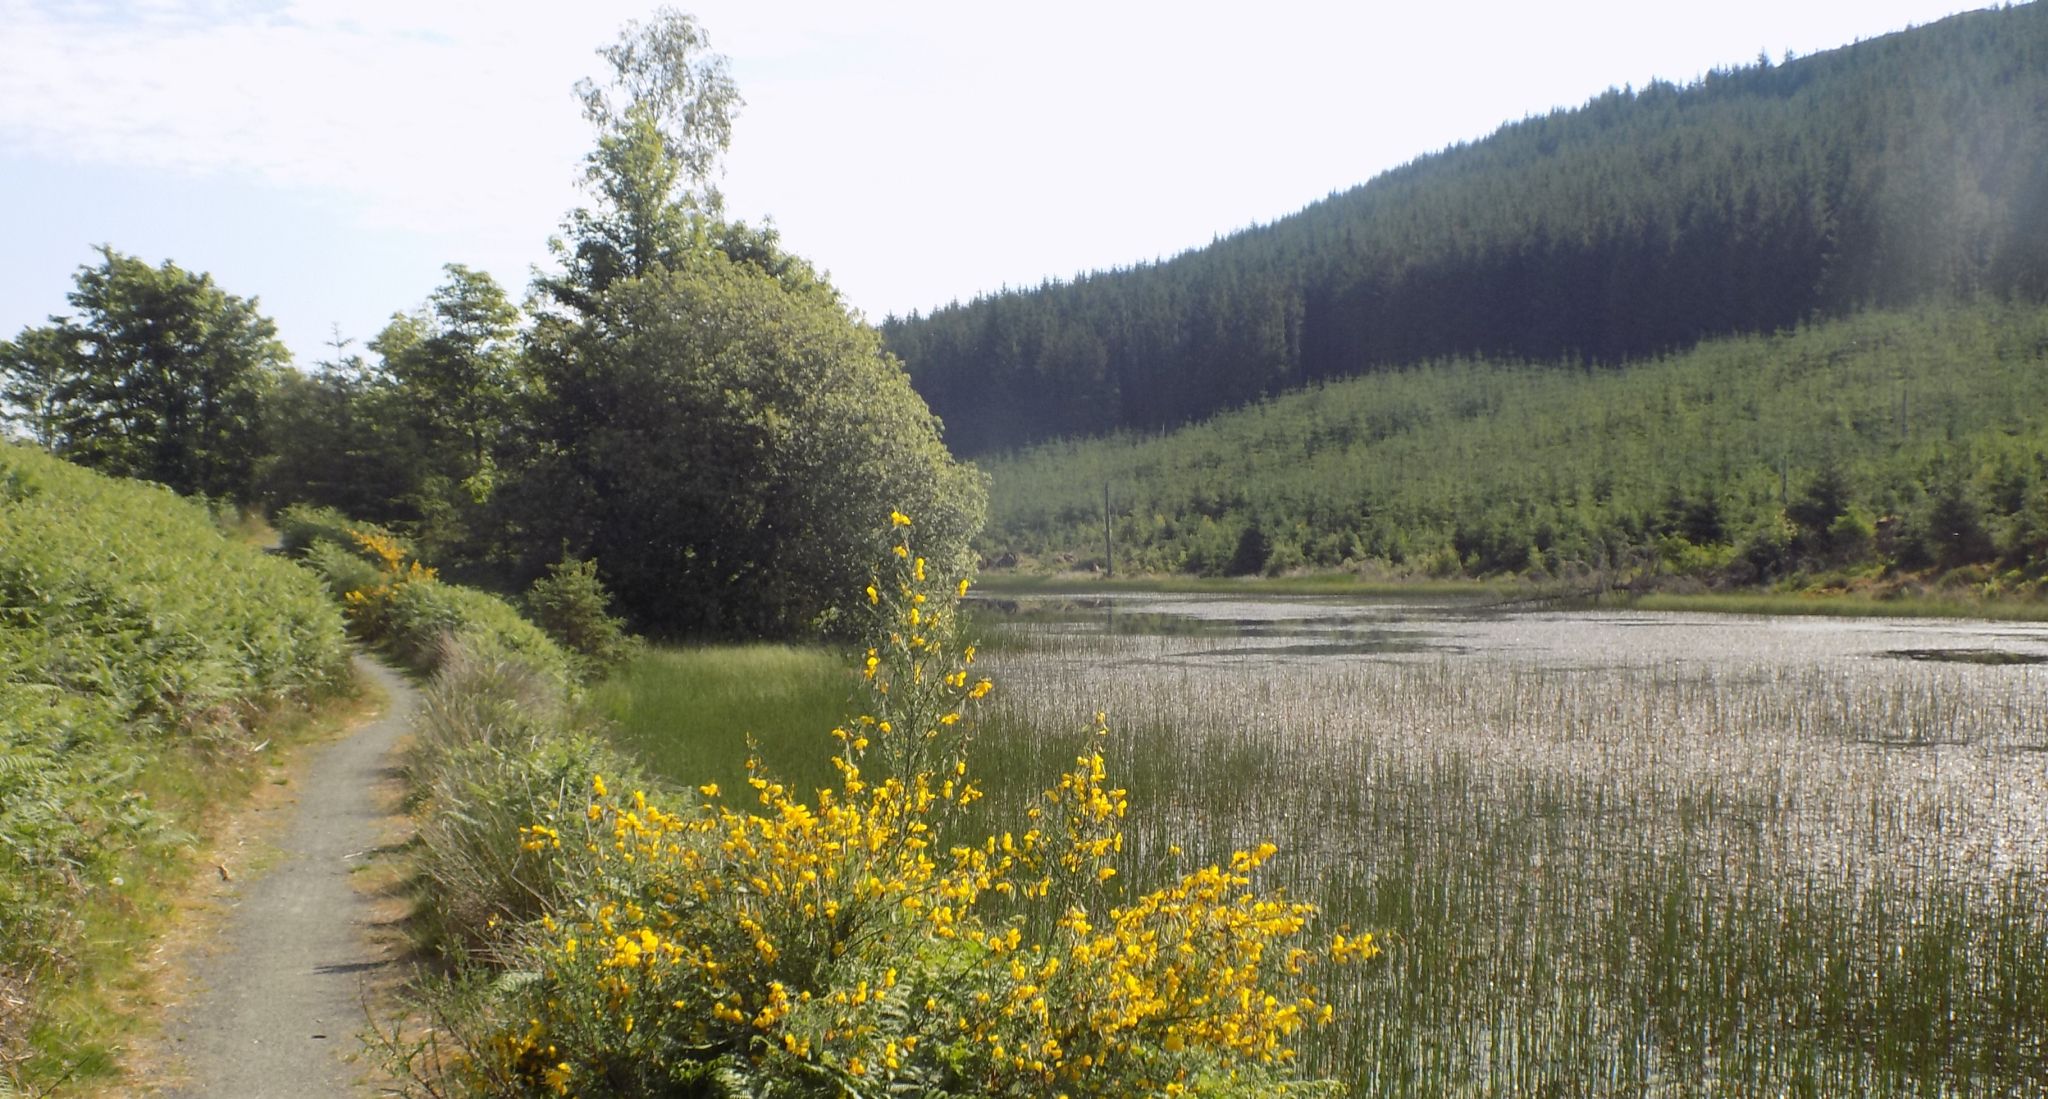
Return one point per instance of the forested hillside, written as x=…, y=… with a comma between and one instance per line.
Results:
x=1893, y=171
x=1906, y=441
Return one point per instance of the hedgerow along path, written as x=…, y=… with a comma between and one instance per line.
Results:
x=280, y=1003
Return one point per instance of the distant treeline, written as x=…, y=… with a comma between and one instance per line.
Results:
x=1897, y=170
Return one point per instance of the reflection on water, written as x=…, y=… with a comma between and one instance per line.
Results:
x=1969, y=656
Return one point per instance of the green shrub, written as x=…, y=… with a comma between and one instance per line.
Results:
x=342, y=569
x=300, y=527
x=427, y=615
x=1683, y=558
x=570, y=604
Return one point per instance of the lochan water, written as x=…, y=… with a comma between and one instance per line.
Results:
x=1618, y=853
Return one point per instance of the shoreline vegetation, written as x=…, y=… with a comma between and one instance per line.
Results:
x=1867, y=600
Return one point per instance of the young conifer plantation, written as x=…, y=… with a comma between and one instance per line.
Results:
x=1376, y=769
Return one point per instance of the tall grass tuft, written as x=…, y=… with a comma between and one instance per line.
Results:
x=496, y=749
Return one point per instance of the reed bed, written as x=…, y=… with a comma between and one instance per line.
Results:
x=1611, y=855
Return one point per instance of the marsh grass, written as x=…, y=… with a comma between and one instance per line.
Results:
x=1616, y=877
x=1799, y=873
x=688, y=712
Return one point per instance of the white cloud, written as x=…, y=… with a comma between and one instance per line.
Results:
x=448, y=118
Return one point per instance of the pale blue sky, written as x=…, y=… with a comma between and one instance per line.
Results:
x=328, y=156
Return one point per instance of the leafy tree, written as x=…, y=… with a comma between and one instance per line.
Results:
x=717, y=432
x=663, y=120
x=723, y=448
x=458, y=364
x=34, y=372
x=665, y=76
x=161, y=376
x=421, y=435
x=341, y=437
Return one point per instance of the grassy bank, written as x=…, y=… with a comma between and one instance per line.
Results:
x=1837, y=604
x=998, y=583
x=149, y=668
x=690, y=713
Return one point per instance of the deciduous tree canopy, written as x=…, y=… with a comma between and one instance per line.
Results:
x=160, y=376
x=690, y=406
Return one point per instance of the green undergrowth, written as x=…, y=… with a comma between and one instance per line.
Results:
x=146, y=660
x=398, y=603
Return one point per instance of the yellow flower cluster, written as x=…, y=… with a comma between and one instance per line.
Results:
x=854, y=937
x=367, y=607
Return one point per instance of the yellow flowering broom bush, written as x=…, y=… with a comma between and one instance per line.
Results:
x=856, y=944
x=400, y=603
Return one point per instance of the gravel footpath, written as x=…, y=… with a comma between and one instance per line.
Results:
x=280, y=1001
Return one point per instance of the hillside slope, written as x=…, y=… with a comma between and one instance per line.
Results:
x=1902, y=169
x=1911, y=439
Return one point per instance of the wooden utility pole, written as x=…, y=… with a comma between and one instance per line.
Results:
x=1108, y=546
